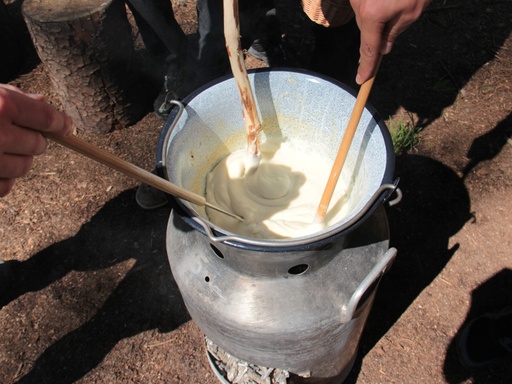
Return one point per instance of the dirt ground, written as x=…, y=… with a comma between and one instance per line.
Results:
x=93, y=299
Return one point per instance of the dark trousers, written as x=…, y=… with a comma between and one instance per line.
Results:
x=159, y=29
x=212, y=59
x=167, y=42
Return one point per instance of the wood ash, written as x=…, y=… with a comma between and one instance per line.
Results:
x=236, y=371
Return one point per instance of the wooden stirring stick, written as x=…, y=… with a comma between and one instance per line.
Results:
x=91, y=151
x=355, y=117
x=236, y=60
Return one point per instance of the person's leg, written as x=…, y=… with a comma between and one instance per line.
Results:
x=211, y=59
x=298, y=34
x=152, y=42
x=167, y=42
x=267, y=46
x=159, y=29
x=258, y=24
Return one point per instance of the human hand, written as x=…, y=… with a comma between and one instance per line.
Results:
x=380, y=23
x=23, y=118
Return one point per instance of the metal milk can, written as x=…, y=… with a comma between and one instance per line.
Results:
x=296, y=304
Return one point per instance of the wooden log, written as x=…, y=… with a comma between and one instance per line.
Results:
x=87, y=49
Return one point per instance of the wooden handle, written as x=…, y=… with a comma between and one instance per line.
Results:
x=236, y=60
x=75, y=143
x=355, y=117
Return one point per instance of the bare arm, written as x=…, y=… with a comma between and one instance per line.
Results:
x=23, y=118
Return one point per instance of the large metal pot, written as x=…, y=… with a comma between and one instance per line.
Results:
x=298, y=304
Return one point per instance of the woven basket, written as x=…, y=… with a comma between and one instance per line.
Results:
x=329, y=13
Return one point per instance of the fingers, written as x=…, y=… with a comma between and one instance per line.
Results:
x=389, y=36
x=377, y=39
x=15, y=166
x=15, y=140
x=380, y=23
x=6, y=186
x=23, y=120
x=371, y=47
x=17, y=148
x=30, y=111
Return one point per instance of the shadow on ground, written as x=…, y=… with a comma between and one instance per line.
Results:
x=492, y=296
x=146, y=298
x=430, y=63
x=438, y=56
x=489, y=145
x=435, y=206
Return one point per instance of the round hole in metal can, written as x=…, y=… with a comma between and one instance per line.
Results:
x=298, y=269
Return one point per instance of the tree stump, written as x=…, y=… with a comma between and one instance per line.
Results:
x=87, y=49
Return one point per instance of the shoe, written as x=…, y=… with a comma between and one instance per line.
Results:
x=148, y=197
x=257, y=52
x=486, y=340
x=273, y=56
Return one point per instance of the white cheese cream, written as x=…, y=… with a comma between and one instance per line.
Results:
x=279, y=197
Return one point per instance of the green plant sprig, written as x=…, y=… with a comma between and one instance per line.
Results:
x=404, y=133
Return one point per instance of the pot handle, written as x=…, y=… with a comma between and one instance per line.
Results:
x=377, y=271
x=394, y=188
x=221, y=239
x=167, y=136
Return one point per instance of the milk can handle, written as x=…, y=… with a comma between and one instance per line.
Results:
x=378, y=270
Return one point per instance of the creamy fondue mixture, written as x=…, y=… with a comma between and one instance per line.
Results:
x=278, y=197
